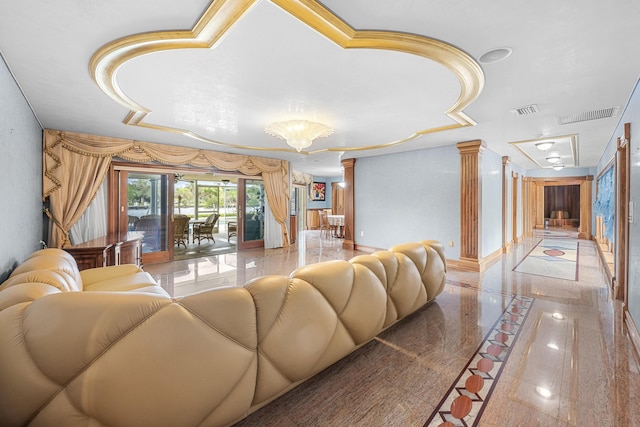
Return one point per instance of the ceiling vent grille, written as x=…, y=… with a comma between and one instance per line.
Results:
x=588, y=115
x=526, y=110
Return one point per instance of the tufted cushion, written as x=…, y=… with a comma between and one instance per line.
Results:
x=56, y=260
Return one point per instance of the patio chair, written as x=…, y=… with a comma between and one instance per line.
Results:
x=205, y=231
x=180, y=230
x=150, y=226
x=232, y=229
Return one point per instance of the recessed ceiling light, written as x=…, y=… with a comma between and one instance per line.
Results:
x=495, y=55
x=544, y=145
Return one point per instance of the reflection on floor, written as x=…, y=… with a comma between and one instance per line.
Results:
x=222, y=245
x=501, y=348
x=552, y=258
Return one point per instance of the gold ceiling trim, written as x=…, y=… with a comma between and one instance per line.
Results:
x=223, y=14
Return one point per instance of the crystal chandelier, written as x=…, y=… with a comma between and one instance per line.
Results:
x=299, y=134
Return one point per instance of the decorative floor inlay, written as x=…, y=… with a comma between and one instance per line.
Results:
x=468, y=396
x=552, y=258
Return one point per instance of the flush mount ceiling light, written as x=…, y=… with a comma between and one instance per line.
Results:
x=558, y=167
x=553, y=159
x=544, y=146
x=299, y=134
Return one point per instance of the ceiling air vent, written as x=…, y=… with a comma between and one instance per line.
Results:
x=526, y=110
x=588, y=115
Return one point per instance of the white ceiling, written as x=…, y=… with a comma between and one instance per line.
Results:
x=567, y=58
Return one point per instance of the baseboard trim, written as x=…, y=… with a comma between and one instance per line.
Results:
x=491, y=259
x=368, y=249
x=469, y=264
x=633, y=331
x=349, y=245
x=605, y=265
x=507, y=247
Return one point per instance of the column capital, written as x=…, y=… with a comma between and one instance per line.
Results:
x=471, y=147
x=348, y=163
x=506, y=160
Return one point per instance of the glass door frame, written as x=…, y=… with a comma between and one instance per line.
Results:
x=118, y=209
x=242, y=214
x=300, y=192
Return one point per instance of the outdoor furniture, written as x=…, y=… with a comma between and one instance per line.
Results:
x=132, y=222
x=232, y=229
x=205, y=231
x=150, y=226
x=180, y=230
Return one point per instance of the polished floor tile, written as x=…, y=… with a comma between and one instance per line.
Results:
x=498, y=348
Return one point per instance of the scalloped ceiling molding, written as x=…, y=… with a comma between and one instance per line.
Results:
x=223, y=14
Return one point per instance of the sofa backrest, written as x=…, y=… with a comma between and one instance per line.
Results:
x=114, y=357
x=324, y=311
x=52, y=266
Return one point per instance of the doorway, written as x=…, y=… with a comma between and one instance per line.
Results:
x=143, y=206
x=534, y=203
x=251, y=213
x=160, y=193
x=209, y=201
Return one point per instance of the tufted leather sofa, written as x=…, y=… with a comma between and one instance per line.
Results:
x=109, y=347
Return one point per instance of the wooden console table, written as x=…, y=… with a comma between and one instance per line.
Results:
x=112, y=249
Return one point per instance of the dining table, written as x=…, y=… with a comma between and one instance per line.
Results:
x=337, y=221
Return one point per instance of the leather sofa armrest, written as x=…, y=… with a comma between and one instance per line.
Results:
x=99, y=274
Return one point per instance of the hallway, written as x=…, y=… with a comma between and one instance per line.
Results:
x=501, y=348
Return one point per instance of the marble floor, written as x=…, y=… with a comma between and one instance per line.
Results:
x=501, y=348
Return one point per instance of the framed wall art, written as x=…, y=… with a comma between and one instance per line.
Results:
x=317, y=191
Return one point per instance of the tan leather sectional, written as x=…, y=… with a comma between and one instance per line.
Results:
x=109, y=347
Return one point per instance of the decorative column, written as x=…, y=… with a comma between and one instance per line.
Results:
x=527, y=206
x=505, y=204
x=585, y=208
x=349, y=203
x=470, y=203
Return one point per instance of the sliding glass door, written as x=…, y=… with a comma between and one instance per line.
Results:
x=251, y=213
x=144, y=201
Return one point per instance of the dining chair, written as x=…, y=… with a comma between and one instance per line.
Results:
x=325, y=227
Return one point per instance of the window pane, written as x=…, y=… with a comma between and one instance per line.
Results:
x=254, y=211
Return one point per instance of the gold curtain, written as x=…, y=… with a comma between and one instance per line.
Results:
x=278, y=200
x=74, y=167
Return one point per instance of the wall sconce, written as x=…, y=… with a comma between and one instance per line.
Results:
x=299, y=134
